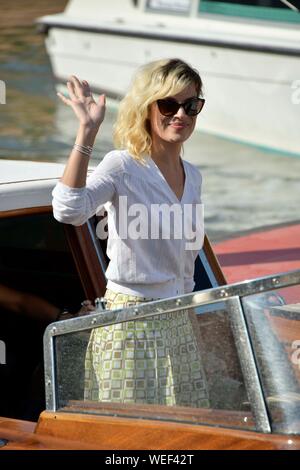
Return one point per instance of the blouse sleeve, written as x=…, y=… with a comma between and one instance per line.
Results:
x=76, y=205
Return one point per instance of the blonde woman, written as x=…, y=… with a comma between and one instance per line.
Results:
x=151, y=361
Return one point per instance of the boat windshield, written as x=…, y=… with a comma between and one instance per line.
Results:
x=273, y=320
x=227, y=357
x=156, y=369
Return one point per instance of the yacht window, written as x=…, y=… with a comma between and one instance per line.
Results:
x=267, y=10
x=169, y=6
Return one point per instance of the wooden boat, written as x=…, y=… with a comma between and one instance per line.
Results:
x=247, y=53
x=248, y=333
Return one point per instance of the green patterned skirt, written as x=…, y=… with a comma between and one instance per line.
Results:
x=155, y=361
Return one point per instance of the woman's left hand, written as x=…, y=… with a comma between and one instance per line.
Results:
x=86, y=307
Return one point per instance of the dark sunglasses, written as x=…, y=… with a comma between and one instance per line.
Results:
x=169, y=106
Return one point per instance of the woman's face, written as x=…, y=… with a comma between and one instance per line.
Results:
x=177, y=128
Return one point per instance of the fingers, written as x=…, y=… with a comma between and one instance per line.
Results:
x=76, y=90
x=77, y=86
x=102, y=100
x=86, y=88
x=64, y=99
x=87, y=306
x=71, y=90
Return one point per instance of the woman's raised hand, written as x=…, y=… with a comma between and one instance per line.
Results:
x=89, y=112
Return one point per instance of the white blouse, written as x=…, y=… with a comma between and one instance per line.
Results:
x=151, y=252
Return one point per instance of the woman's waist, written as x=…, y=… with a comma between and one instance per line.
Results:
x=113, y=296
x=159, y=290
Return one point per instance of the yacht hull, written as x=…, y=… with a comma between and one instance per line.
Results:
x=253, y=96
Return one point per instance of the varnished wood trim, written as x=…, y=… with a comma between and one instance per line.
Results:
x=102, y=432
x=17, y=424
x=18, y=439
x=213, y=262
x=26, y=211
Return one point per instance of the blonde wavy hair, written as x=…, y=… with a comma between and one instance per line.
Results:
x=153, y=81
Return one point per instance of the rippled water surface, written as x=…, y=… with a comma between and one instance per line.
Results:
x=243, y=188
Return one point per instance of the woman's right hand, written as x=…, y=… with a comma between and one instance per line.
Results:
x=89, y=112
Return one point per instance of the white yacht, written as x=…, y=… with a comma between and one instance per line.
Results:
x=248, y=55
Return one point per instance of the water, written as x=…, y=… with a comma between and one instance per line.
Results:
x=243, y=187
